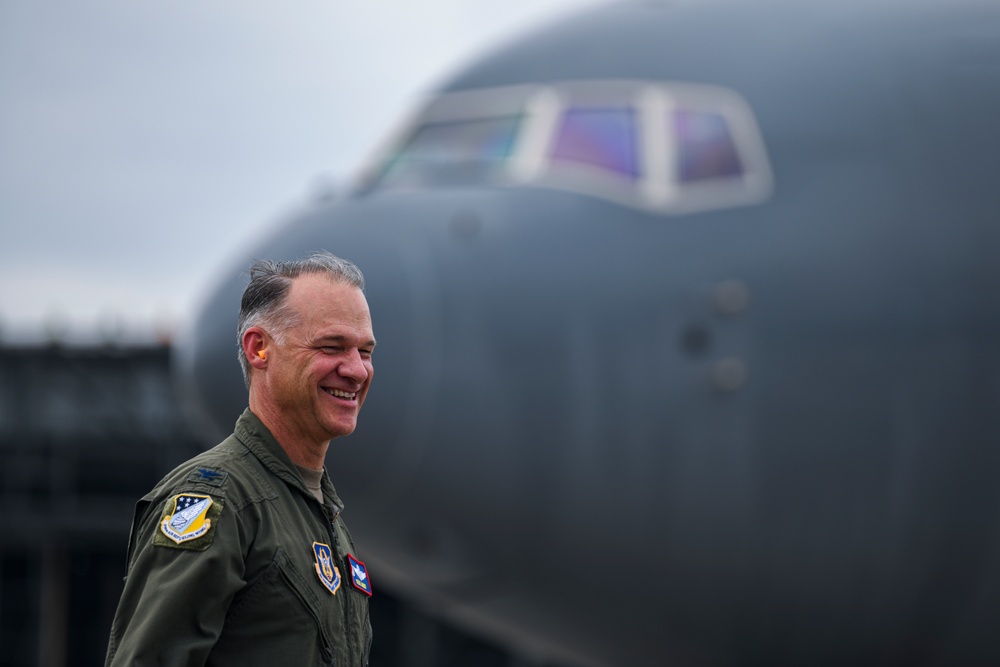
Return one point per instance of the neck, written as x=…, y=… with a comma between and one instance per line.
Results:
x=301, y=450
x=312, y=457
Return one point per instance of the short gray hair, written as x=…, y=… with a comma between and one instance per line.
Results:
x=263, y=302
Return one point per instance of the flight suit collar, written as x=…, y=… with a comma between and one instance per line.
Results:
x=252, y=432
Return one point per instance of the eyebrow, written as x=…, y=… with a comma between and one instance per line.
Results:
x=338, y=338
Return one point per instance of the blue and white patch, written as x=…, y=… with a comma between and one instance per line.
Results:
x=359, y=575
x=327, y=572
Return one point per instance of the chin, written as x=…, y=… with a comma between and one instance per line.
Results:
x=341, y=430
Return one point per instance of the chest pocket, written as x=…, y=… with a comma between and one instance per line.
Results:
x=279, y=614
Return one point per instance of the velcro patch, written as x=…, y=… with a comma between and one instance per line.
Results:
x=328, y=573
x=359, y=575
x=188, y=522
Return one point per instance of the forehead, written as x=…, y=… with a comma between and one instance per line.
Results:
x=321, y=302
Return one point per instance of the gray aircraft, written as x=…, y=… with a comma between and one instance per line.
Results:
x=689, y=338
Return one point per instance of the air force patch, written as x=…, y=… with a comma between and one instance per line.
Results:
x=328, y=573
x=359, y=575
x=187, y=522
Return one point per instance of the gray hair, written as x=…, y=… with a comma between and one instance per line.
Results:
x=263, y=303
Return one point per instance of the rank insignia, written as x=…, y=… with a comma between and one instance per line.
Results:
x=359, y=575
x=327, y=572
x=186, y=518
x=208, y=476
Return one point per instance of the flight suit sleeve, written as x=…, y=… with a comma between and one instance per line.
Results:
x=185, y=565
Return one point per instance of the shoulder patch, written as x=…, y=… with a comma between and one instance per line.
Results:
x=188, y=522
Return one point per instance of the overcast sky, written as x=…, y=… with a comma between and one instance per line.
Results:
x=143, y=141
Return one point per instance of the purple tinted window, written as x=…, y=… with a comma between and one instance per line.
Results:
x=705, y=146
x=600, y=137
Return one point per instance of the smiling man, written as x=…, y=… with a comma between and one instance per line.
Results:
x=240, y=556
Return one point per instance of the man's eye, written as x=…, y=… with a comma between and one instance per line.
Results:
x=331, y=349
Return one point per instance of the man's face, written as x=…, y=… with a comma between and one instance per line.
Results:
x=318, y=376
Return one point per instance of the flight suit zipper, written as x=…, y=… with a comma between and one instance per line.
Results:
x=345, y=568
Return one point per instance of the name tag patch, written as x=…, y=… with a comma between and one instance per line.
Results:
x=327, y=572
x=188, y=521
x=359, y=575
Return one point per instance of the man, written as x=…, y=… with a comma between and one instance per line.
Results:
x=240, y=555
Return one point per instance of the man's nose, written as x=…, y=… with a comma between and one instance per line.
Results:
x=354, y=367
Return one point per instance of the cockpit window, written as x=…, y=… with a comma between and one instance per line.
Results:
x=604, y=138
x=452, y=152
x=705, y=147
x=661, y=146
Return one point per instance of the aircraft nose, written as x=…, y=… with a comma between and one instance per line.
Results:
x=404, y=299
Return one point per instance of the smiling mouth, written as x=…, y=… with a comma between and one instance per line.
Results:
x=338, y=393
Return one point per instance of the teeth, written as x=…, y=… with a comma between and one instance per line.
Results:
x=341, y=394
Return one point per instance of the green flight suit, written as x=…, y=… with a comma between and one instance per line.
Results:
x=232, y=561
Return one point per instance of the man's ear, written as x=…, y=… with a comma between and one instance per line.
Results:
x=255, y=342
